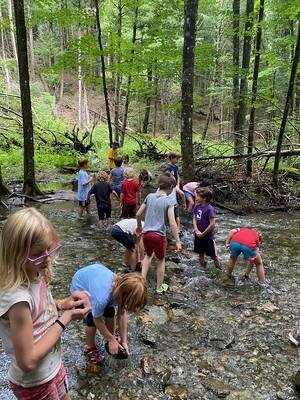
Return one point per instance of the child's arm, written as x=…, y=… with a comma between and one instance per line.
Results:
x=212, y=223
x=138, y=197
x=196, y=230
x=181, y=194
x=28, y=354
x=231, y=233
x=92, y=191
x=174, y=228
x=139, y=219
x=122, y=317
x=113, y=344
x=121, y=199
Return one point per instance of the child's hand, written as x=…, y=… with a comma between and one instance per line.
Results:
x=178, y=247
x=138, y=230
x=113, y=346
x=77, y=299
x=199, y=234
x=125, y=346
x=227, y=247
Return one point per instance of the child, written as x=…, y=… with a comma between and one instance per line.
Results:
x=124, y=232
x=130, y=194
x=158, y=209
x=125, y=165
x=113, y=154
x=145, y=177
x=173, y=169
x=129, y=292
x=84, y=181
x=189, y=194
x=204, y=220
x=102, y=191
x=116, y=176
x=247, y=242
x=30, y=327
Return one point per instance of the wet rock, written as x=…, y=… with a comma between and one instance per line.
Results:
x=158, y=315
x=216, y=386
x=146, y=365
x=267, y=307
x=242, y=395
x=149, y=336
x=221, y=336
x=177, y=392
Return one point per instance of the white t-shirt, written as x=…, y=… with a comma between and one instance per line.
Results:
x=44, y=313
x=128, y=225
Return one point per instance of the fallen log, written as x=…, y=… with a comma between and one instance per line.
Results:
x=284, y=153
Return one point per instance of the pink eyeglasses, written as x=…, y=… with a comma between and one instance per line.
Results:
x=48, y=253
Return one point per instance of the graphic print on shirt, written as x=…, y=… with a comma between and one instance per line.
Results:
x=199, y=214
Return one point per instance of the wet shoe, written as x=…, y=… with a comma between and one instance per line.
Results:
x=294, y=336
x=93, y=356
x=265, y=286
x=180, y=234
x=245, y=278
x=164, y=287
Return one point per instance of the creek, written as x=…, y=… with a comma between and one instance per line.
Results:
x=208, y=337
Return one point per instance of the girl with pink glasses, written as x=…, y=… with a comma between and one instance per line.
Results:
x=30, y=327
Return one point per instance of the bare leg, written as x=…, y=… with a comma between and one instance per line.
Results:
x=132, y=259
x=108, y=222
x=90, y=335
x=178, y=223
x=202, y=260
x=249, y=269
x=100, y=223
x=146, y=265
x=80, y=211
x=88, y=209
x=67, y=397
x=160, y=273
x=260, y=272
x=231, y=264
x=217, y=262
x=111, y=325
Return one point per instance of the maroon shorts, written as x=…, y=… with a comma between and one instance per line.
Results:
x=56, y=389
x=153, y=242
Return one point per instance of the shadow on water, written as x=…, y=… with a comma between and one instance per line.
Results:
x=208, y=337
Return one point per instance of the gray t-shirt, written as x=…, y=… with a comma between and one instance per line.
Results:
x=156, y=215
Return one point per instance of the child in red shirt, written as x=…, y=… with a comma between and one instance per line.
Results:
x=130, y=194
x=247, y=242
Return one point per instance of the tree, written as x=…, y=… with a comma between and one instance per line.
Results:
x=187, y=86
x=103, y=74
x=235, y=63
x=254, y=87
x=289, y=97
x=3, y=188
x=29, y=184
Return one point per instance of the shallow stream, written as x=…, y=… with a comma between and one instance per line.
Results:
x=208, y=337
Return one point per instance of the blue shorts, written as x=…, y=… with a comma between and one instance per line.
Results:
x=188, y=195
x=237, y=248
x=117, y=189
x=122, y=237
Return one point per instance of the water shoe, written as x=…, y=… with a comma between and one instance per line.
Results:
x=294, y=336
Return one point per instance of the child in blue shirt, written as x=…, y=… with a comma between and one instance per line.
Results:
x=128, y=292
x=84, y=180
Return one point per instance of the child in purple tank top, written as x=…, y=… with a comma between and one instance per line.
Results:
x=204, y=220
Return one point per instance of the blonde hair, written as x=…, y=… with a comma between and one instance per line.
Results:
x=129, y=172
x=131, y=292
x=102, y=176
x=23, y=230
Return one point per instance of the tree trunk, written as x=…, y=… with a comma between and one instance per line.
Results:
x=86, y=107
x=239, y=144
x=118, y=76
x=254, y=87
x=289, y=97
x=297, y=103
x=155, y=104
x=148, y=101
x=29, y=187
x=103, y=74
x=187, y=86
x=12, y=34
x=236, y=67
x=79, y=78
x=3, y=188
x=3, y=58
x=31, y=42
x=134, y=31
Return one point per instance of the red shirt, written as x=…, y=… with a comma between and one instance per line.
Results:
x=129, y=188
x=247, y=237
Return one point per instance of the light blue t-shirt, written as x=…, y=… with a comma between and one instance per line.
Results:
x=83, y=185
x=97, y=280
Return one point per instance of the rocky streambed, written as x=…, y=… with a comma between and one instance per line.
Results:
x=208, y=337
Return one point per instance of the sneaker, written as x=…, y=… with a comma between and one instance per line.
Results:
x=294, y=336
x=164, y=287
x=93, y=356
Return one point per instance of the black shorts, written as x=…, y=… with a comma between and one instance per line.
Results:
x=123, y=237
x=104, y=211
x=205, y=246
x=129, y=211
x=109, y=312
x=176, y=211
x=84, y=203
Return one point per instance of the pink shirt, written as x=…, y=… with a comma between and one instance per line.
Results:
x=191, y=187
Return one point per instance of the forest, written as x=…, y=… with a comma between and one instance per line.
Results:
x=218, y=80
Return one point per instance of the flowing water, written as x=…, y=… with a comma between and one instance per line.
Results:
x=208, y=337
